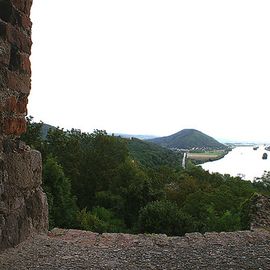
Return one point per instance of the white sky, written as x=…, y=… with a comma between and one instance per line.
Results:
x=153, y=67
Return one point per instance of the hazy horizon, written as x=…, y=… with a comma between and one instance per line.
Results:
x=150, y=136
x=153, y=67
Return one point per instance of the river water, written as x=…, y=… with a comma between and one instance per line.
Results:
x=241, y=161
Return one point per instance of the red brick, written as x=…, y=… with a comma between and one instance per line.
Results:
x=25, y=64
x=3, y=78
x=4, y=52
x=25, y=22
x=12, y=15
x=14, y=105
x=14, y=126
x=15, y=61
x=11, y=104
x=22, y=41
x=19, y=82
x=23, y=5
x=16, y=37
x=21, y=106
x=19, y=61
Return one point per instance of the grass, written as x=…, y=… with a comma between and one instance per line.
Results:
x=207, y=155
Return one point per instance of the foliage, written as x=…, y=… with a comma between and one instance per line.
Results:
x=99, y=220
x=164, y=217
x=62, y=204
x=263, y=184
x=105, y=183
x=245, y=212
x=151, y=155
x=33, y=135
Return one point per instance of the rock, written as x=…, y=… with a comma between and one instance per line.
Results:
x=23, y=204
x=74, y=249
x=259, y=212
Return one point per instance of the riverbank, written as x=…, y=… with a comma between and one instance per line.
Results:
x=207, y=156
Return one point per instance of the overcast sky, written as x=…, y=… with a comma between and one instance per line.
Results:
x=153, y=67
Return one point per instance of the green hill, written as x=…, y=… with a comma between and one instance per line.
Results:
x=152, y=155
x=45, y=129
x=188, y=139
x=148, y=154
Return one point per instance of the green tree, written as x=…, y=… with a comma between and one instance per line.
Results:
x=100, y=220
x=102, y=155
x=33, y=136
x=62, y=204
x=178, y=190
x=163, y=217
x=229, y=222
x=132, y=184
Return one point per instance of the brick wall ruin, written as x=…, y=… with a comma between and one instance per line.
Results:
x=23, y=205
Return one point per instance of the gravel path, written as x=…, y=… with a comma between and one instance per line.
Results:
x=73, y=249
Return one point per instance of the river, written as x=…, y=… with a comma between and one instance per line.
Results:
x=242, y=160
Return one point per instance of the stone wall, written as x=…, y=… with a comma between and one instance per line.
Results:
x=23, y=205
x=259, y=212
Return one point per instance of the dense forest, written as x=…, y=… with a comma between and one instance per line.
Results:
x=104, y=183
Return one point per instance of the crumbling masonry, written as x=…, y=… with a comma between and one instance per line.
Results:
x=23, y=205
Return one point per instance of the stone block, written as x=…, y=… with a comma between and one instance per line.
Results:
x=23, y=204
x=21, y=106
x=19, y=61
x=15, y=81
x=14, y=61
x=19, y=39
x=16, y=105
x=15, y=36
x=25, y=64
x=10, y=105
x=13, y=126
x=10, y=14
x=18, y=82
x=3, y=29
x=23, y=5
x=24, y=169
x=6, y=10
x=4, y=52
x=37, y=210
x=26, y=23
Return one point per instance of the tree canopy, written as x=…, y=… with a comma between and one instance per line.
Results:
x=105, y=183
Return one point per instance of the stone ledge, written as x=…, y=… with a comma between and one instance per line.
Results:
x=68, y=249
x=110, y=240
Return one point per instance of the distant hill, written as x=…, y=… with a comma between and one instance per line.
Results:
x=141, y=137
x=148, y=154
x=188, y=139
x=152, y=155
x=45, y=129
